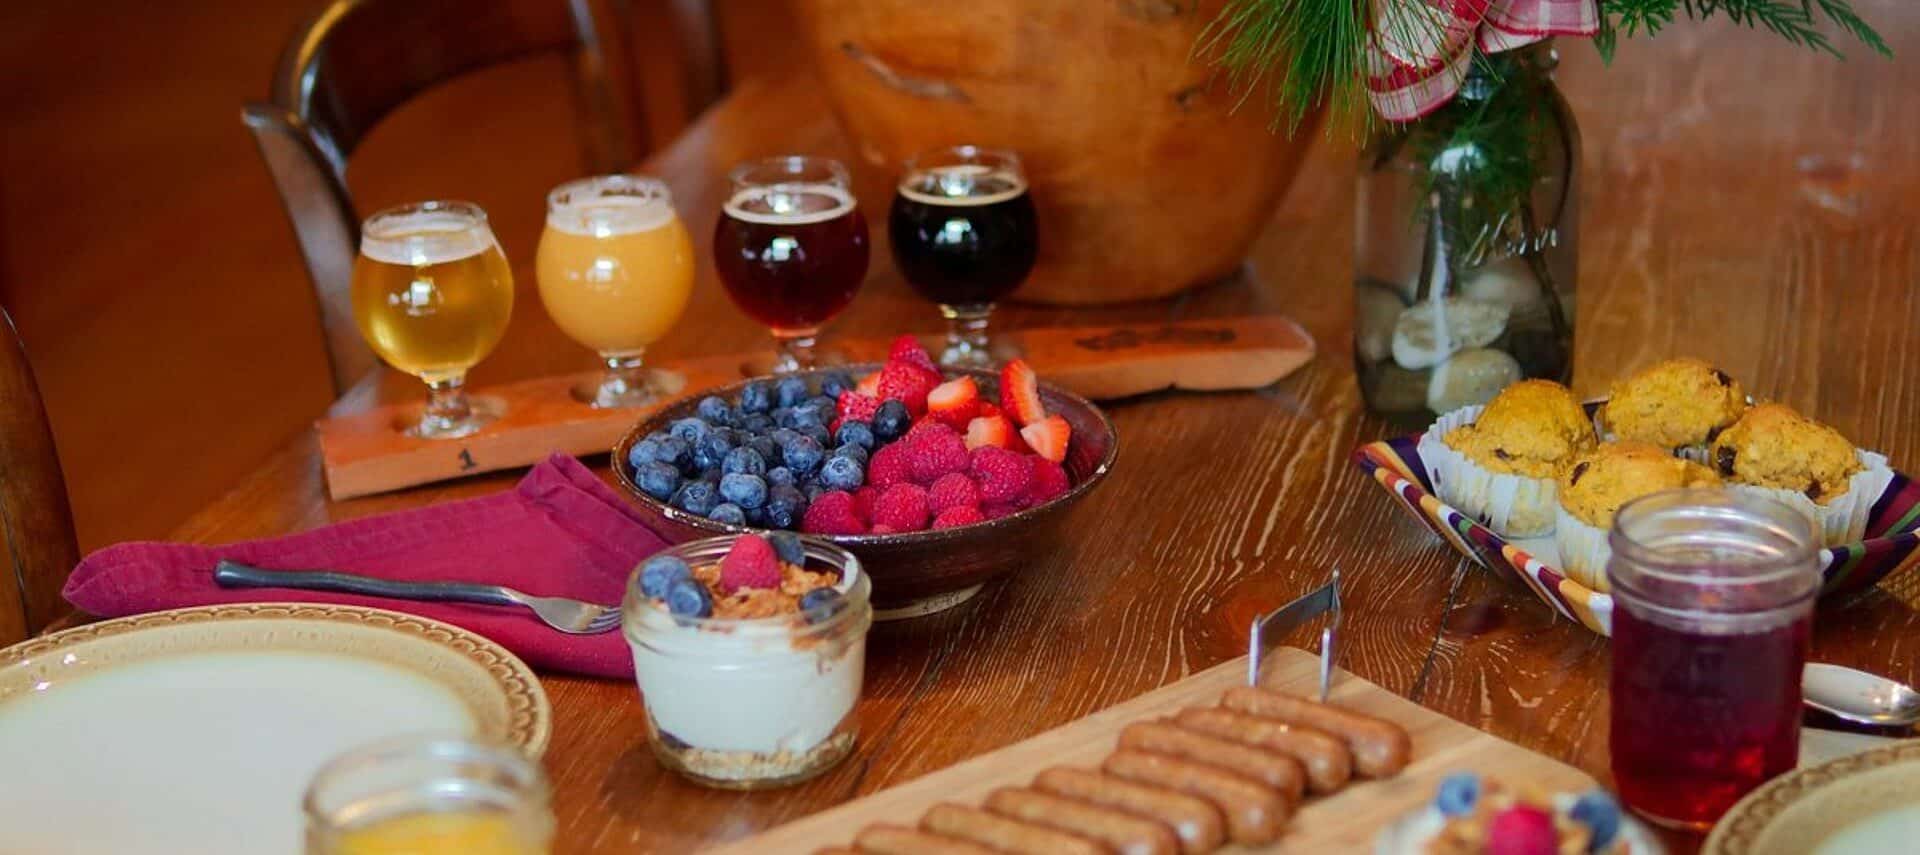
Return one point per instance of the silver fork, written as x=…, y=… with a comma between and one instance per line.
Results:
x=569, y=616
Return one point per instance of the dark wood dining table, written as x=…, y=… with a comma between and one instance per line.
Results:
x=1743, y=201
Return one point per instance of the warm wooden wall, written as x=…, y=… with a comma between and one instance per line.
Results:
x=144, y=253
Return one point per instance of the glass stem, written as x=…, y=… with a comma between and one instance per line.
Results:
x=795, y=350
x=447, y=406
x=625, y=371
x=967, y=327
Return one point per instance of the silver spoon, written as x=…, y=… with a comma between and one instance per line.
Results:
x=1858, y=696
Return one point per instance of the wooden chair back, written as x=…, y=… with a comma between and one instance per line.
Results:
x=355, y=61
x=37, y=546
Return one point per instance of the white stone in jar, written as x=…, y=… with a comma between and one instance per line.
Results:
x=1471, y=377
x=1376, y=310
x=1505, y=282
x=1430, y=331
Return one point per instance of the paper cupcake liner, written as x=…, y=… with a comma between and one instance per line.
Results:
x=1511, y=505
x=1583, y=550
x=1844, y=520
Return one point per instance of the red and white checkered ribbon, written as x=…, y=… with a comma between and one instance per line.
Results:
x=1421, y=49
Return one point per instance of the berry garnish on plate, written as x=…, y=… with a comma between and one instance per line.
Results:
x=1522, y=829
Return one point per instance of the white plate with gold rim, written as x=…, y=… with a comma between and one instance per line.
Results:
x=195, y=730
x=1863, y=803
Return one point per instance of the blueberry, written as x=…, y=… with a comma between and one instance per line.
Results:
x=756, y=517
x=852, y=452
x=821, y=603
x=713, y=449
x=691, y=430
x=642, y=453
x=696, y=497
x=658, y=435
x=657, y=479
x=803, y=455
x=756, y=397
x=744, y=461
x=818, y=433
x=779, y=475
x=783, y=417
x=1599, y=812
x=747, y=491
x=729, y=513
x=786, y=505
x=660, y=572
x=675, y=452
x=768, y=452
x=891, y=420
x=806, y=417
x=842, y=473
x=790, y=391
x=711, y=475
x=825, y=408
x=812, y=491
x=1459, y=792
x=688, y=598
x=782, y=436
x=854, y=432
x=788, y=548
x=833, y=383
x=713, y=410
x=756, y=423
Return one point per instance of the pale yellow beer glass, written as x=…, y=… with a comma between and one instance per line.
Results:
x=432, y=294
x=615, y=267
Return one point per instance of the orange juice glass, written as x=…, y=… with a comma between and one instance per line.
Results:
x=615, y=267
x=429, y=796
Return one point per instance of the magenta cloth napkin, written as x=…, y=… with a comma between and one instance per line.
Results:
x=560, y=532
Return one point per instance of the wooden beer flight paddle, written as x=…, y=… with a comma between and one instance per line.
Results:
x=364, y=451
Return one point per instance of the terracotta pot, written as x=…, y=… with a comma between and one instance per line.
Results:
x=1147, y=180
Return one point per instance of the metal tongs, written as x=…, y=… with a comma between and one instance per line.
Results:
x=1281, y=622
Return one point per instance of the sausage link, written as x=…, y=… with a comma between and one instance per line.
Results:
x=1254, y=813
x=1380, y=748
x=1007, y=835
x=898, y=840
x=1280, y=771
x=1194, y=820
x=1126, y=833
x=1329, y=763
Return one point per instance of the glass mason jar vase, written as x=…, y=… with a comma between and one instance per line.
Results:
x=1466, y=243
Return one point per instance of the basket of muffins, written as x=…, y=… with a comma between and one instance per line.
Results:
x=1529, y=483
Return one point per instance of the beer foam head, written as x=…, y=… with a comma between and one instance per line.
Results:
x=607, y=205
x=962, y=184
x=790, y=204
x=431, y=233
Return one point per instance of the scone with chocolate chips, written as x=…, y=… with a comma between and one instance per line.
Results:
x=1679, y=405
x=1500, y=463
x=1779, y=453
x=1597, y=485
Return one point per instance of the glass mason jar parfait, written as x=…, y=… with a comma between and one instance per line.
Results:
x=1466, y=243
x=1713, y=596
x=751, y=703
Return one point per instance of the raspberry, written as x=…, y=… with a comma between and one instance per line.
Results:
x=909, y=384
x=864, y=498
x=889, y=466
x=884, y=529
x=925, y=424
x=1522, y=830
x=855, y=406
x=1001, y=475
x=1049, y=482
x=952, y=490
x=902, y=507
x=933, y=453
x=832, y=513
x=958, y=516
x=907, y=349
x=751, y=563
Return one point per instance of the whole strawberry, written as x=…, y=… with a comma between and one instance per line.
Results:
x=907, y=349
x=751, y=563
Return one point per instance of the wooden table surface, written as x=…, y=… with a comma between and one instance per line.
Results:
x=1744, y=202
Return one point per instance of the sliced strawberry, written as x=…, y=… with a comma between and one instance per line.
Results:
x=993, y=431
x=907, y=349
x=869, y=385
x=954, y=402
x=1048, y=437
x=1020, y=393
x=987, y=408
x=909, y=384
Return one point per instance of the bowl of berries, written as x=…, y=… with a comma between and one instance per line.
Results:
x=938, y=479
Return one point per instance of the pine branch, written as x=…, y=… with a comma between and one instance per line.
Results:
x=1311, y=53
x=1792, y=20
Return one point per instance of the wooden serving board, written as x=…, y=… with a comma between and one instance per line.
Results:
x=1344, y=822
x=366, y=452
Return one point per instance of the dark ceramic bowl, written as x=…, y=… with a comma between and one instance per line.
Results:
x=919, y=572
